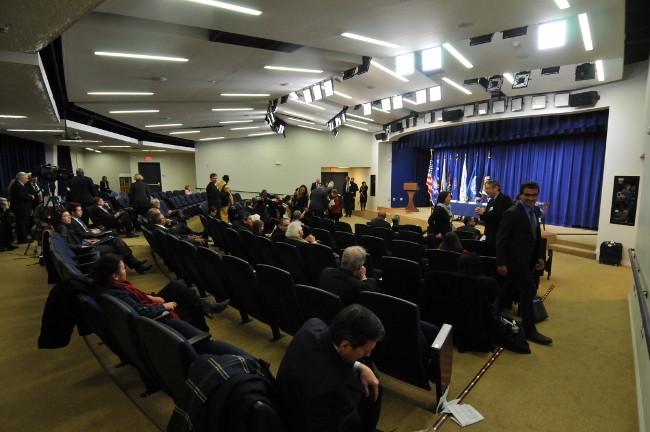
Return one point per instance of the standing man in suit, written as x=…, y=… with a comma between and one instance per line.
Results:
x=519, y=253
x=324, y=387
x=349, y=191
x=21, y=206
x=492, y=214
x=82, y=190
x=319, y=201
x=35, y=189
x=213, y=194
x=355, y=189
x=315, y=185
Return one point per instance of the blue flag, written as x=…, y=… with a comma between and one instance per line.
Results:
x=456, y=181
x=471, y=190
x=435, y=188
x=430, y=175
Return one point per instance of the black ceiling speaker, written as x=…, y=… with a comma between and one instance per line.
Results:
x=349, y=73
x=365, y=66
x=583, y=99
x=478, y=40
x=452, y=115
x=515, y=32
x=585, y=71
x=397, y=126
x=380, y=136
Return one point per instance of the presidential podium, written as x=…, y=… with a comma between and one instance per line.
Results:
x=411, y=189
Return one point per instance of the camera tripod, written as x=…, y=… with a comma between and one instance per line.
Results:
x=56, y=205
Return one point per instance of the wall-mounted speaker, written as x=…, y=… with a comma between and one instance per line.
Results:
x=380, y=136
x=583, y=99
x=452, y=115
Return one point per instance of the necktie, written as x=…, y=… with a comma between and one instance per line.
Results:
x=83, y=225
x=533, y=223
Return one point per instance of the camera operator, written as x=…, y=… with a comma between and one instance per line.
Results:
x=21, y=206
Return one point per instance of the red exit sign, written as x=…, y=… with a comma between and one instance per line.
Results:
x=332, y=169
x=147, y=158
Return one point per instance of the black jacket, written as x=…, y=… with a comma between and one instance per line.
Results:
x=139, y=195
x=517, y=247
x=21, y=200
x=213, y=196
x=82, y=190
x=492, y=217
x=345, y=285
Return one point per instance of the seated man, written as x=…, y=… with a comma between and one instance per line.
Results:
x=245, y=223
x=80, y=228
x=380, y=220
x=349, y=279
x=101, y=210
x=470, y=226
x=172, y=215
x=395, y=224
x=278, y=234
x=323, y=386
x=158, y=221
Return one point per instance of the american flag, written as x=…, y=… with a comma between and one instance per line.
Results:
x=430, y=179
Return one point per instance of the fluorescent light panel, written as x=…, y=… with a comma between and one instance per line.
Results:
x=388, y=71
x=586, y=33
x=432, y=59
x=461, y=88
x=289, y=69
x=356, y=127
x=342, y=94
x=404, y=64
x=410, y=101
x=369, y=40
x=114, y=146
x=551, y=35
x=359, y=117
x=385, y=104
x=366, y=109
x=140, y=56
x=421, y=96
x=379, y=109
x=307, y=127
x=244, y=128
x=458, y=56
x=211, y=139
x=264, y=133
x=12, y=116
x=232, y=109
x=435, y=93
x=600, y=71
x=79, y=140
x=228, y=6
x=328, y=87
x=245, y=94
x=134, y=111
x=303, y=121
x=357, y=121
x=165, y=125
x=397, y=102
x=509, y=77
x=120, y=93
x=306, y=93
x=34, y=130
x=183, y=132
x=236, y=121
x=562, y=4
x=318, y=95
x=296, y=114
x=313, y=106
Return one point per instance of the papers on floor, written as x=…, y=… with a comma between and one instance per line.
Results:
x=464, y=415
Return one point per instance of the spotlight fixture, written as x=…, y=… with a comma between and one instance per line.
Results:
x=397, y=102
x=349, y=73
x=468, y=110
x=499, y=106
x=365, y=66
x=284, y=99
x=335, y=132
x=318, y=95
x=539, y=102
x=551, y=35
x=420, y=96
x=515, y=32
x=494, y=83
x=478, y=40
x=551, y=70
x=385, y=104
x=431, y=59
x=294, y=95
x=521, y=79
x=561, y=100
x=367, y=108
x=585, y=71
x=328, y=86
x=516, y=104
x=404, y=64
x=435, y=93
x=306, y=93
x=482, y=108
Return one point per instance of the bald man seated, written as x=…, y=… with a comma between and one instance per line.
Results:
x=380, y=221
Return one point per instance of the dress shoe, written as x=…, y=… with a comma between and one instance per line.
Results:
x=4, y=249
x=131, y=235
x=137, y=263
x=209, y=307
x=10, y=246
x=141, y=269
x=539, y=338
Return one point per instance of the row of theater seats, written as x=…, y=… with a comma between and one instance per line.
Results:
x=271, y=295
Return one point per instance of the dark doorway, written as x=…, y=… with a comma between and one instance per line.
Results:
x=337, y=177
x=151, y=173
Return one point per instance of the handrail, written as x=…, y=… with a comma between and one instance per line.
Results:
x=641, y=295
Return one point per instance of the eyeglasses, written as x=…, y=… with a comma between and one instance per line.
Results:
x=527, y=195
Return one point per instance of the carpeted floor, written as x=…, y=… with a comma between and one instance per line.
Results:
x=583, y=382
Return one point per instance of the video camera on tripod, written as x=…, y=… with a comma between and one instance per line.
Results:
x=51, y=174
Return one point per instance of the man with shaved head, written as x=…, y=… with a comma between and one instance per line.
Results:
x=380, y=221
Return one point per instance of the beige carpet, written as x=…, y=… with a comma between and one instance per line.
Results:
x=584, y=382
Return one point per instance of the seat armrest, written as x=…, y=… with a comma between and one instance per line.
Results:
x=161, y=316
x=199, y=337
x=78, y=257
x=440, y=359
x=81, y=265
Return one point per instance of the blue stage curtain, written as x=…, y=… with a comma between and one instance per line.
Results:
x=16, y=155
x=565, y=154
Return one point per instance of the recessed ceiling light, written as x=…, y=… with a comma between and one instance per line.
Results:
x=307, y=127
x=397, y=102
x=246, y=94
x=465, y=25
x=79, y=140
x=461, y=88
x=34, y=130
x=153, y=151
x=356, y=127
x=165, y=125
x=369, y=40
x=303, y=121
x=228, y=6
x=289, y=69
x=385, y=104
x=244, y=128
x=562, y=4
x=435, y=93
x=586, y=34
x=388, y=71
x=600, y=71
x=404, y=64
x=311, y=105
x=134, y=111
x=232, y=109
x=342, y=94
x=318, y=95
x=236, y=121
x=12, y=116
x=114, y=146
x=140, y=56
x=509, y=77
x=432, y=59
x=421, y=96
x=356, y=116
x=211, y=139
x=296, y=114
x=551, y=35
x=120, y=93
x=367, y=110
x=264, y=133
x=356, y=121
x=458, y=55
x=183, y=132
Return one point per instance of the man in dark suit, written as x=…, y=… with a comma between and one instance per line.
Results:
x=491, y=215
x=315, y=185
x=349, y=191
x=101, y=210
x=213, y=194
x=158, y=222
x=380, y=221
x=21, y=206
x=319, y=201
x=349, y=279
x=324, y=387
x=35, y=189
x=82, y=190
x=279, y=232
x=519, y=252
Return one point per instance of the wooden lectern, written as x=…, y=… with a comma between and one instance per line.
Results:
x=411, y=189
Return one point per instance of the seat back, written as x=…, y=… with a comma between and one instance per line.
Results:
x=193, y=269
x=318, y=257
x=478, y=247
x=94, y=317
x=344, y=240
x=316, y=222
x=443, y=260
x=376, y=248
x=411, y=236
x=318, y=303
x=401, y=278
x=169, y=354
x=212, y=267
x=407, y=250
x=293, y=262
x=235, y=245
x=247, y=242
x=465, y=235
x=412, y=228
x=361, y=230
x=490, y=269
x=279, y=293
x=329, y=225
x=266, y=251
x=325, y=237
x=384, y=233
x=343, y=227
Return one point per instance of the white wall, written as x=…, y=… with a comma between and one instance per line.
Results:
x=107, y=163
x=251, y=162
x=177, y=169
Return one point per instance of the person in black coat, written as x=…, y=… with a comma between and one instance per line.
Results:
x=101, y=210
x=349, y=279
x=36, y=190
x=279, y=232
x=491, y=215
x=440, y=219
x=213, y=194
x=21, y=206
x=103, y=185
x=139, y=195
x=519, y=253
x=322, y=384
x=82, y=190
x=380, y=221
